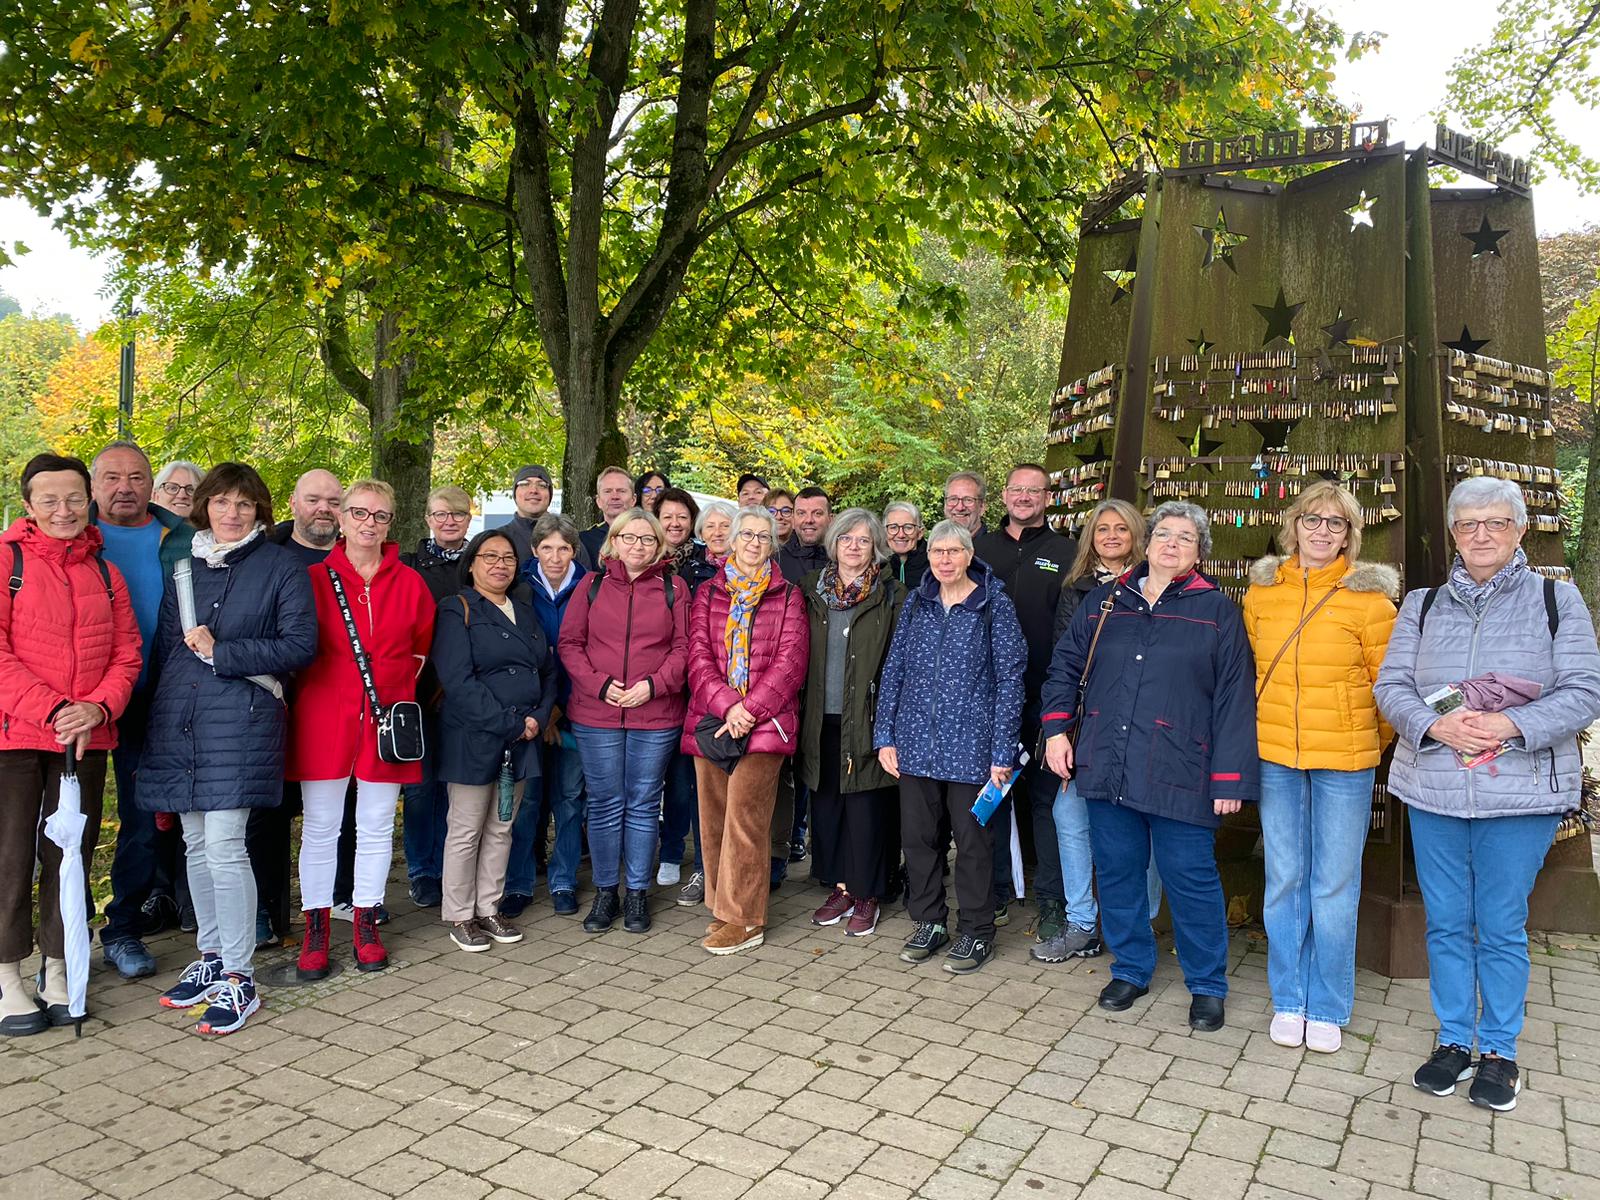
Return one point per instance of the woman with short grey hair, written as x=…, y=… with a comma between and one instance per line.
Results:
x=1182, y=510
x=1486, y=767
x=908, y=553
x=174, y=486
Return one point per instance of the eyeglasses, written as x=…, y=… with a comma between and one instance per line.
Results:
x=1171, y=535
x=750, y=535
x=785, y=511
x=442, y=517
x=178, y=489
x=1492, y=524
x=52, y=503
x=1316, y=520
x=647, y=490
x=855, y=541
x=377, y=515
x=498, y=560
x=1032, y=493
x=238, y=506
x=640, y=539
x=960, y=501
x=947, y=552
x=898, y=529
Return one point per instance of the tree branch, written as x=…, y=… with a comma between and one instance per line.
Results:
x=334, y=348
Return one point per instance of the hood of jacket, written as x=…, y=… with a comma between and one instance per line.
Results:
x=1273, y=569
x=24, y=532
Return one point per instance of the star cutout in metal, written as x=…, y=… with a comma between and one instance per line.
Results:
x=1122, y=280
x=1201, y=345
x=1360, y=213
x=1097, y=455
x=1220, y=242
x=1486, y=240
x=1339, y=331
x=1468, y=344
x=1202, y=446
x=1279, y=316
x=1274, y=434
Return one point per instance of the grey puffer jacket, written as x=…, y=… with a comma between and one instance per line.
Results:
x=1542, y=770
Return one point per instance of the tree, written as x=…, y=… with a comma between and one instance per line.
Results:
x=1578, y=352
x=8, y=305
x=593, y=167
x=30, y=349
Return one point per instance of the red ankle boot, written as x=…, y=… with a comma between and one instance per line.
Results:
x=370, y=954
x=313, y=964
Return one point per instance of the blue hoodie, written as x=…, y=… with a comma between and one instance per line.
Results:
x=550, y=611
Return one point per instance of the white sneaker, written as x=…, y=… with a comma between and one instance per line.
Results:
x=1323, y=1037
x=1288, y=1029
x=343, y=912
x=668, y=874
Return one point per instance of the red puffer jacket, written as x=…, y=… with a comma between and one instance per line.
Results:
x=780, y=651
x=331, y=732
x=62, y=638
x=626, y=635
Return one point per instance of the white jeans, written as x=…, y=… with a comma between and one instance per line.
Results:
x=323, y=800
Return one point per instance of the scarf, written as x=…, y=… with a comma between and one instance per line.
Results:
x=679, y=556
x=215, y=553
x=1478, y=594
x=432, y=547
x=839, y=596
x=744, y=593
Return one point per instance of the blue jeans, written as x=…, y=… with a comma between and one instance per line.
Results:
x=134, y=863
x=1475, y=875
x=1123, y=841
x=1313, y=829
x=425, y=811
x=1071, y=813
x=680, y=811
x=624, y=770
x=560, y=794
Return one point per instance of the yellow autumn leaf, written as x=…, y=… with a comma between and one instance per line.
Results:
x=79, y=50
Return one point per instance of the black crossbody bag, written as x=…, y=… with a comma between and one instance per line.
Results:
x=400, y=723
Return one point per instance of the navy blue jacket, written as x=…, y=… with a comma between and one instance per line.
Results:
x=697, y=569
x=550, y=612
x=215, y=740
x=950, y=695
x=1169, y=715
x=494, y=674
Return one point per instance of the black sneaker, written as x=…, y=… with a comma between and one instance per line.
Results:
x=1446, y=1067
x=187, y=921
x=968, y=954
x=426, y=892
x=636, y=911
x=380, y=915
x=797, y=850
x=158, y=914
x=514, y=904
x=1496, y=1084
x=923, y=943
x=604, y=912
x=564, y=903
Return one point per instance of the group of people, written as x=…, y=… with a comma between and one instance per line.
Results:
x=725, y=675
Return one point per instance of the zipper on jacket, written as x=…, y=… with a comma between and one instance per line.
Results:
x=627, y=644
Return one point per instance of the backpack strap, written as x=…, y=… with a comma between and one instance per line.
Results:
x=594, y=585
x=16, y=569
x=1427, y=603
x=1551, y=613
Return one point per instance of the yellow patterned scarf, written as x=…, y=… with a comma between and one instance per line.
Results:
x=744, y=593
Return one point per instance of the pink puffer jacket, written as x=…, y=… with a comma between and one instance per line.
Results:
x=780, y=644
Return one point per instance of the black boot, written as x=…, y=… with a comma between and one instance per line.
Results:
x=604, y=911
x=636, y=911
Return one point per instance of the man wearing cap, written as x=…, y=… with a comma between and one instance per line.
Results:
x=532, y=491
x=752, y=490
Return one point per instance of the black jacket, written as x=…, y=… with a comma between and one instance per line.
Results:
x=216, y=741
x=593, y=538
x=697, y=569
x=1032, y=569
x=1072, y=595
x=798, y=560
x=910, y=568
x=494, y=674
x=442, y=575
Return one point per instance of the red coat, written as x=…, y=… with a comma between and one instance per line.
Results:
x=780, y=651
x=626, y=635
x=331, y=732
x=62, y=638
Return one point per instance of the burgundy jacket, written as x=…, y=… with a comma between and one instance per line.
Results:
x=627, y=634
x=780, y=645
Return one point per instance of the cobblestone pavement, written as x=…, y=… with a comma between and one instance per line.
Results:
x=630, y=1067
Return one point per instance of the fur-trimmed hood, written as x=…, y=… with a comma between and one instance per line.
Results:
x=1359, y=576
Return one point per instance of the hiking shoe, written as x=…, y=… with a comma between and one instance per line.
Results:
x=231, y=1005
x=1070, y=941
x=636, y=911
x=158, y=914
x=1002, y=914
x=313, y=964
x=564, y=903
x=693, y=892
x=129, y=957
x=427, y=892
x=968, y=954
x=863, y=920
x=668, y=874
x=469, y=937
x=731, y=939
x=1446, y=1067
x=499, y=930
x=514, y=904
x=834, y=909
x=603, y=912
x=198, y=981
x=924, y=942
x=1051, y=921
x=370, y=954
x=1496, y=1083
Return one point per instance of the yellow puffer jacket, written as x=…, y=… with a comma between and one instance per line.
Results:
x=1317, y=712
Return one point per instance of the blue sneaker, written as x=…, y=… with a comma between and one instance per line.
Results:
x=129, y=957
x=197, y=984
x=564, y=902
x=231, y=1005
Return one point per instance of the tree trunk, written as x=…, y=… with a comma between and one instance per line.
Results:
x=594, y=441
x=402, y=446
x=1586, y=570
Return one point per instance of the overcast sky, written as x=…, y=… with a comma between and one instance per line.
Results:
x=1404, y=81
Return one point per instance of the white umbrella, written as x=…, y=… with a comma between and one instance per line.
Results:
x=64, y=827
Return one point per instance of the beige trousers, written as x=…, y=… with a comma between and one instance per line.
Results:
x=477, y=846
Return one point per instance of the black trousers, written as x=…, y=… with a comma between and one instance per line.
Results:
x=853, y=834
x=921, y=803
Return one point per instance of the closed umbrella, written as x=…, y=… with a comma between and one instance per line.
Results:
x=64, y=827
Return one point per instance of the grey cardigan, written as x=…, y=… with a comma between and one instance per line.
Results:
x=1542, y=771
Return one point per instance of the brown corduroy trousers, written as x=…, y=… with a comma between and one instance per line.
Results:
x=735, y=834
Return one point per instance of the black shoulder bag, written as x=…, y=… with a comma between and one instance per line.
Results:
x=400, y=723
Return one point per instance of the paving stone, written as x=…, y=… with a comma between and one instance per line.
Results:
x=894, y=1165
x=709, y=1183
x=832, y=1155
x=1477, y=1164
x=540, y=1175
x=990, y=1159
x=257, y=1171
x=732, y=1152
x=1060, y=1155
x=642, y=1176
x=949, y=1183
x=1377, y=1160
x=397, y=1173
x=1207, y=1177
x=1310, y=1181
x=785, y=1185
x=1297, y=1147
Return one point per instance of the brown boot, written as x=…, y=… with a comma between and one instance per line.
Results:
x=731, y=939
